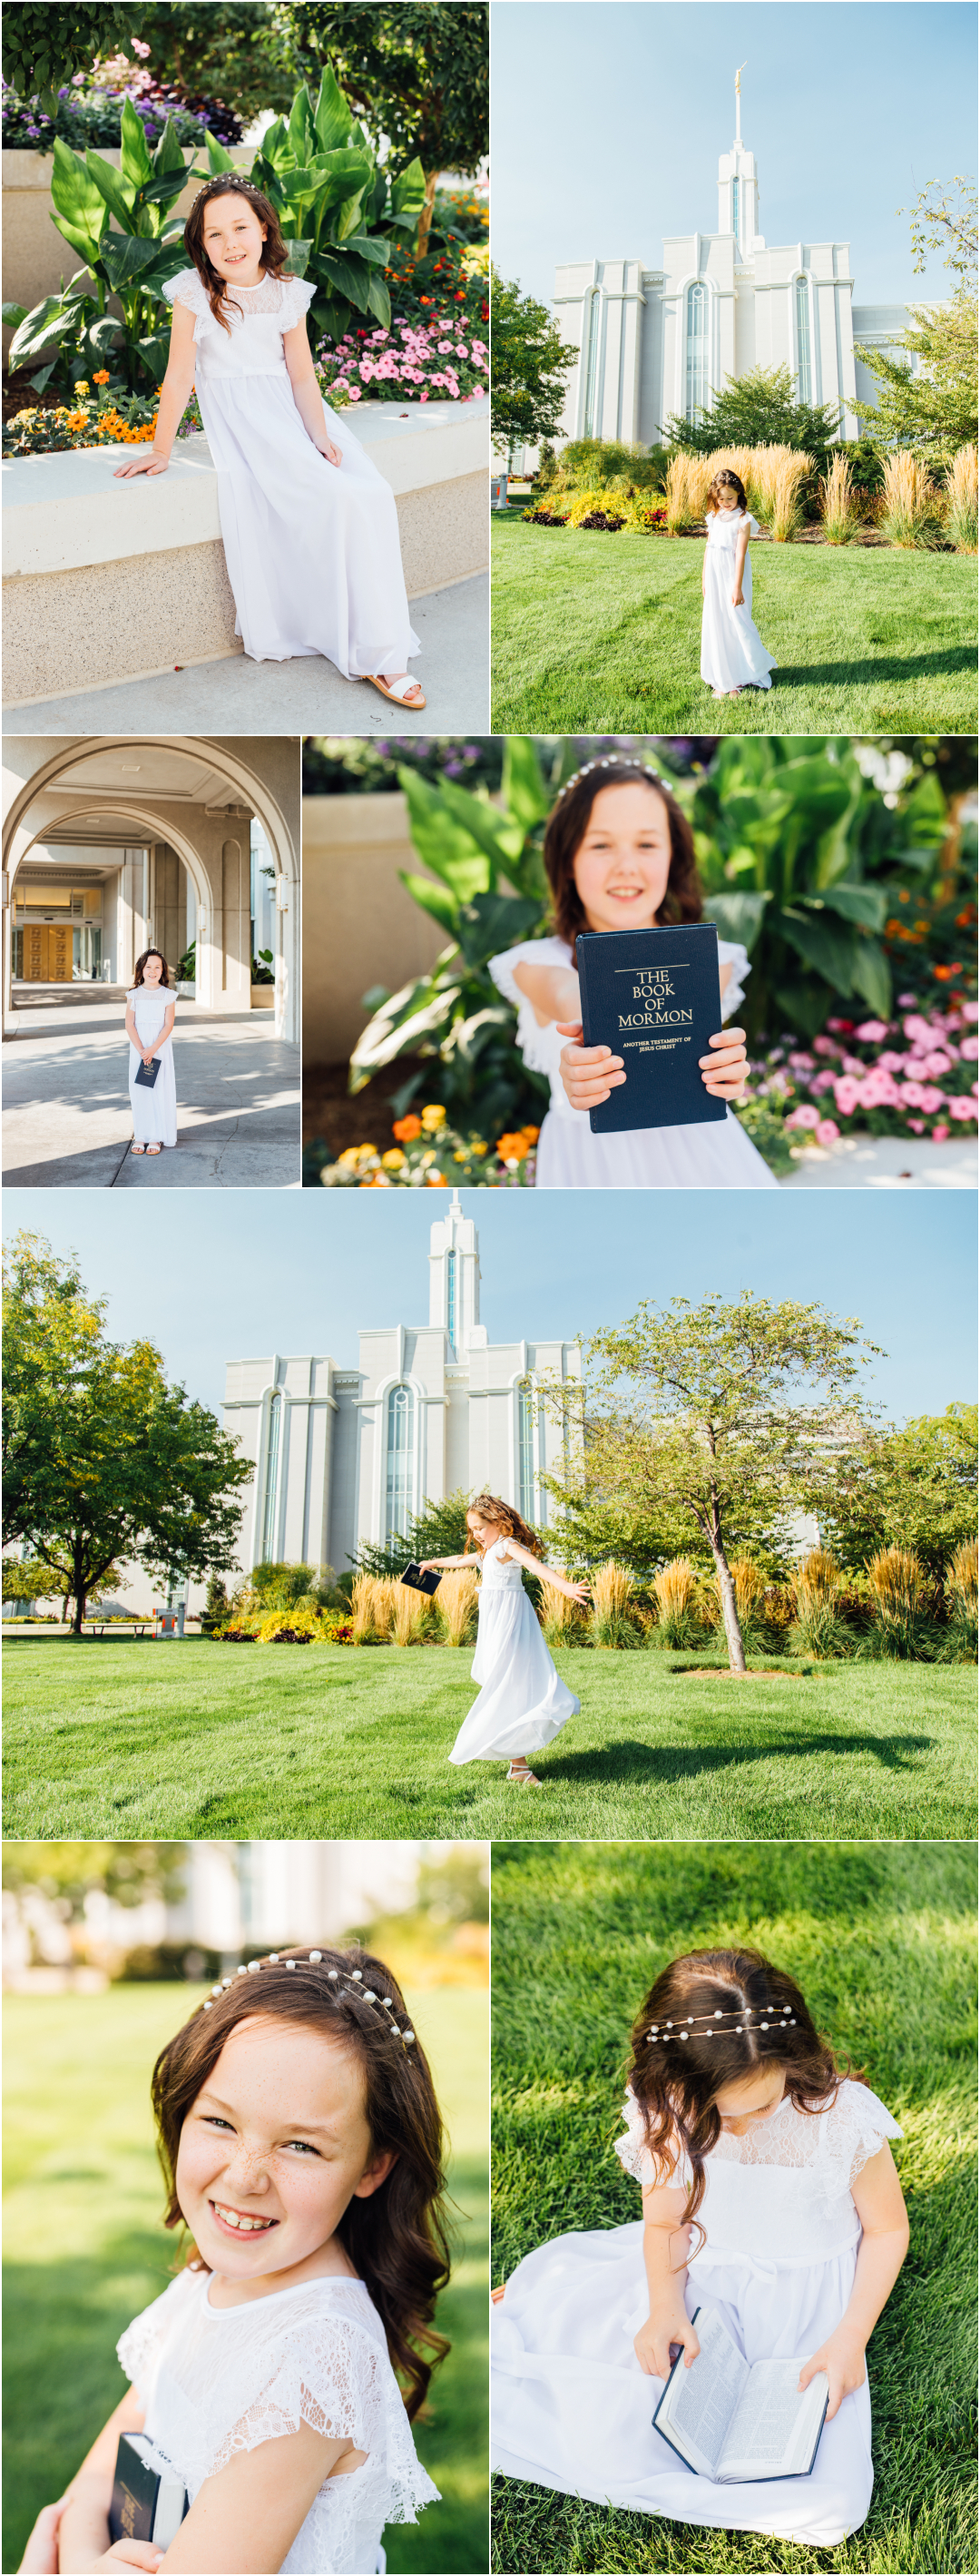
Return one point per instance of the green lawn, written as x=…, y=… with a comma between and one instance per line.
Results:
x=160, y=1741
x=87, y=2251
x=882, y=1943
x=600, y=634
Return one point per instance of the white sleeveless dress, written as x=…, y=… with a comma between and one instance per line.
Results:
x=313, y=551
x=572, y=2409
x=523, y=1703
x=154, y=1111
x=733, y=655
x=570, y=1157
x=214, y=2381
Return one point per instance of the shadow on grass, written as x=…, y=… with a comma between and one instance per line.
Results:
x=914, y=666
x=666, y=1764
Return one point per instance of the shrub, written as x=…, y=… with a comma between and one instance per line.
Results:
x=612, y=1588
x=675, y=1590
x=912, y=513
x=408, y=1612
x=455, y=1604
x=364, y=1608
x=837, y=502
x=562, y=1620
x=898, y=1600
x=293, y=1626
x=961, y=1601
x=815, y=1586
x=961, y=501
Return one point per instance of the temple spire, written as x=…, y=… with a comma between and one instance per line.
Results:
x=738, y=102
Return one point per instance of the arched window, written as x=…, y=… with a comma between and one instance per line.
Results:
x=697, y=350
x=400, y=1461
x=451, y=1297
x=593, y=325
x=804, y=367
x=525, y=1454
x=271, y=1477
x=735, y=213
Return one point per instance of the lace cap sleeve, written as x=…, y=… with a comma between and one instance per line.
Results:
x=539, y=1046
x=636, y=2159
x=753, y=525
x=297, y=296
x=731, y=953
x=186, y=289
x=140, y=2347
x=854, y=2128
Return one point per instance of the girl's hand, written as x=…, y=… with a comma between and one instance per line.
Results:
x=130, y=2553
x=147, y=1060
x=724, y=1072
x=154, y=463
x=41, y=2554
x=652, y=2345
x=588, y=1073
x=842, y=2357
x=325, y=447
x=738, y=596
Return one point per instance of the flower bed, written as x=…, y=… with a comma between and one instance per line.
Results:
x=410, y=363
x=860, y=1078
x=428, y=1154
x=113, y=419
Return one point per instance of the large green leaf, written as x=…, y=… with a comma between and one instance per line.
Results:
x=129, y=261
x=134, y=156
x=45, y=328
x=275, y=154
x=822, y=942
x=82, y=213
x=301, y=130
x=872, y=977
x=374, y=247
x=168, y=158
x=17, y=313
x=350, y=277
x=120, y=194
x=737, y=916
x=408, y=196
x=867, y=904
x=498, y=834
x=492, y=924
x=379, y=300
x=524, y=792
x=444, y=844
x=218, y=159
x=154, y=350
x=416, y=1012
x=331, y=115
x=299, y=253
x=435, y=899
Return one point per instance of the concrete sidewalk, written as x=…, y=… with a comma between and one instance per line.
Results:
x=887, y=1163
x=67, y=1122
x=305, y=696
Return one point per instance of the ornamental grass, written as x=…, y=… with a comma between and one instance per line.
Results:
x=561, y=1619
x=837, y=502
x=898, y=1600
x=675, y=1591
x=961, y=501
x=784, y=498
x=612, y=1589
x=912, y=512
x=961, y=1577
x=408, y=1613
x=363, y=1608
x=815, y=1589
x=455, y=1604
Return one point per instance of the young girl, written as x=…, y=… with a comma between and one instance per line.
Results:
x=733, y=656
x=522, y=1703
x=768, y=2193
x=310, y=527
x=301, y=2143
x=620, y=856
x=150, y=1009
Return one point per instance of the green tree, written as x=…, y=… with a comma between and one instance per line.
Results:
x=233, y=54
x=913, y=1486
x=68, y=1872
x=727, y=1416
x=102, y=1458
x=759, y=409
x=419, y=77
x=529, y=362
x=44, y=45
x=933, y=411
x=439, y=1530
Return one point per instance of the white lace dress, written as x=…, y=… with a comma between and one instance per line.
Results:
x=570, y=1157
x=733, y=655
x=312, y=549
x=523, y=1703
x=573, y=2410
x=154, y=1110
x=214, y=2381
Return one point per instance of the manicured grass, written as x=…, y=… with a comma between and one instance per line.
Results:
x=882, y=1943
x=193, y=1740
x=601, y=634
x=87, y=2250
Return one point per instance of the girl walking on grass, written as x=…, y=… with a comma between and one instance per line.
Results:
x=309, y=526
x=733, y=655
x=301, y=2143
x=523, y=1703
x=619, y=855
x=150, y=1010
x=769, y=2193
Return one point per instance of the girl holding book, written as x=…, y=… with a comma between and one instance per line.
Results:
x=150, y=1009
x=769, y=2194
x=523, y=1703
x=301, y=2145
x=619, y=855
x=733, y=655
x=309, y=526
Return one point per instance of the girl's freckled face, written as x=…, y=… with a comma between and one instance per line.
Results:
x=233, y=238
x=273, y=2149
x=622, y=862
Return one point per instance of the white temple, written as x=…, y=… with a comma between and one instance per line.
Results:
x=656, y=343
x=347, y=1455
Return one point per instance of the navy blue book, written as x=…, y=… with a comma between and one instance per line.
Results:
x=148, y=2501
x=731, y=2420
x=653, y=996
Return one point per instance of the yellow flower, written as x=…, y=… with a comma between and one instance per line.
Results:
x=359, y=1158
x=433, y=1118
x=81, y=384
x=478, y=1148
x=394, y=1161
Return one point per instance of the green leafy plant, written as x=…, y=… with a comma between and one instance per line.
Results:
x=419, y=75
x=45, y=45
x=73, y=333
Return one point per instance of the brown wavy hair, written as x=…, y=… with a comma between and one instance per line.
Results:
x=398, y=2239
x=726, y=481
x=274, y=250
x=568, y=823
x=141, y=961
x=675, y=2081
x=504, y=1517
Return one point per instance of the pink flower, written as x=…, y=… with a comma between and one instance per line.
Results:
x=804, y=1117
x=801, y=1063
x=969, y=1048
x=846, y=1094
x=970, y=1010
x=825, y=1046
x=423, y=397
x=939, y=1135
x=355, y=393
x=854, y=1064
x=822, y=1082
x=931, y=1099
x=916, y=1027
x=444, y=347
x=937, y=1061
x=871, y=1029
x=827, y=1133
x=913, y=1096
x=891, y=1061
x=917, y=1125
x=906, y=1001
x=964, y=1110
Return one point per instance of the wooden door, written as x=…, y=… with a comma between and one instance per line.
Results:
x=47, y=952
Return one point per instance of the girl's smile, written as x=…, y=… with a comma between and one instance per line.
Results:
x=234, y=239
x=622, y=863
x=153, y=970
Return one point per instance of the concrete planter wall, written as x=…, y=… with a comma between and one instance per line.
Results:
x=263, y=997
x=35, y=255
x=106, y=581
x=359, y=925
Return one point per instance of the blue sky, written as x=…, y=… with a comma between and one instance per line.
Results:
x=231, y=1278
x=608, y=117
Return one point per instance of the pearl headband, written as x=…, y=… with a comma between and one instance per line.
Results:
x=719, y=2025
x=610, y=760
x=349, y=1982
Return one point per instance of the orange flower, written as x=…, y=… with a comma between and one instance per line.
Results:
x=944, y=973
x=405, y=1128
x=532, y=1134
x=102, y=378
x=512, y=1149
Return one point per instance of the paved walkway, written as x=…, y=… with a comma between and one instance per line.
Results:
x=886, y=1163
x=237, y=696
x=67, y=1123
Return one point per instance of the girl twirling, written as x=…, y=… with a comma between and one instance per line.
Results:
x=301, y=2141
x=733, y=655
x=523, y=1703
x=619, y=855
x=769, y=2192
x=150, y=1010
x=309, y=526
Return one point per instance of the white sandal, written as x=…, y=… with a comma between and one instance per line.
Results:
x=398, y=692
x=521, y=1776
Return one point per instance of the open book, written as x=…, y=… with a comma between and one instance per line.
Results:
x=732, y=2420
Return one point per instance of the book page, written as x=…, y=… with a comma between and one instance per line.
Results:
x=773, y=2430
x=703, y=2399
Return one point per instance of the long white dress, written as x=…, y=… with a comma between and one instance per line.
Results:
x=573, y=2410
x=154, y=1111
x=570, y=1157
x=214, y=2381
x=312, y=549
x=733, y=655
x=523, y=1703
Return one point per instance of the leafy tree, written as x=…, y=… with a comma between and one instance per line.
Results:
x=726, y=1416
x=759, y=409
x=102, y=1458
x=914, y=1487
x=27, y=1579
x=68, y=1872
x=935, y=410
x=528, y=365
x=44, y=45
x=440, y=1530
x=419, y=77
x=233, y=54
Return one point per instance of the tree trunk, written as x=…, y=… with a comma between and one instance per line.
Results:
x=729, y=1612
x=425, y=218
